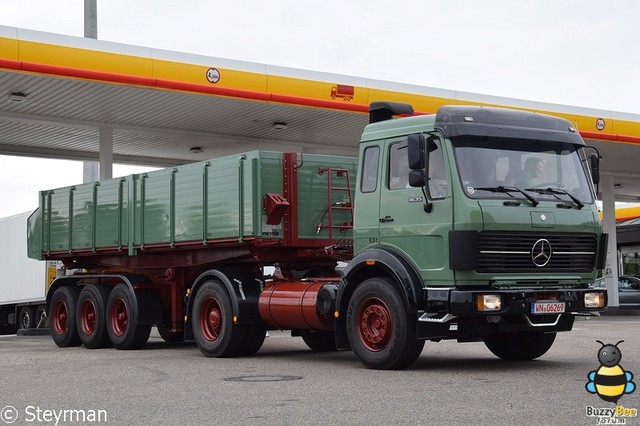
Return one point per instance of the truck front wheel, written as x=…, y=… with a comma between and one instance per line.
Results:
x=381, y=332
x=521, y=347
x=213, y=327
x=62, y=314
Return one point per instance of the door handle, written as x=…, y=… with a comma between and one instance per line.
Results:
x=386, y=219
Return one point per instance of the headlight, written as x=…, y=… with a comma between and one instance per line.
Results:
x=594, y=300
x=488, y=302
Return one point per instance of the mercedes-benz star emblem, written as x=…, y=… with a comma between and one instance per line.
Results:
x=541, y=252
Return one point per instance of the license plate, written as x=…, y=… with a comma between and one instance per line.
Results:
x=547, y=308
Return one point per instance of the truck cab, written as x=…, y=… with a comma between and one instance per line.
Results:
x=483, y=219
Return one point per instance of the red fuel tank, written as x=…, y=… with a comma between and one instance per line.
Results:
x=292, y=305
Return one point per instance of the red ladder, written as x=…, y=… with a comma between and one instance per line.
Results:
x=333, y=173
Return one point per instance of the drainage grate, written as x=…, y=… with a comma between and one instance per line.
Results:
x=262, y=378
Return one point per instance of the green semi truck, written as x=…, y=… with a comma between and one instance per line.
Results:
x=474, y=224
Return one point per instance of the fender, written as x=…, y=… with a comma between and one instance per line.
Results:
x=244, y=291
x=385, y=262
x=149, y=306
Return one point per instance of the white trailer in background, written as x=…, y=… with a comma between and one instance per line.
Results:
x=23, y=282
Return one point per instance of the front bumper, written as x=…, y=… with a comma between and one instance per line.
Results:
x=462, y=303
x=450, y=313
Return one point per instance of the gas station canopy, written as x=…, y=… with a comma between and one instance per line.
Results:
x=166, y=108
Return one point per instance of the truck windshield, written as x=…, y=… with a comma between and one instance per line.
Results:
x=499, y=168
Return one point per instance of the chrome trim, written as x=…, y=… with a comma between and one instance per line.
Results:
x=526, y=318
x=526, y=252
x=426, y=318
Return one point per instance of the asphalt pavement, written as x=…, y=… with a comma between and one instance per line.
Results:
x=287, y=384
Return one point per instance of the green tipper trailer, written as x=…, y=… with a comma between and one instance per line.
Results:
x=448, y=231
x=227, y=199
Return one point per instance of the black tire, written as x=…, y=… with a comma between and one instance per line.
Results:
x=381, y=332
x=212, y=320
x=521, y=347
x=42, y=320
x=170, y=336
x=122, y=320
x=62, y=316
x=319, y=341
x=26, y=318
x=91, y=316
x=253, y=340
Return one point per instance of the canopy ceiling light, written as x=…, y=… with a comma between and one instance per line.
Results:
x=17, y=97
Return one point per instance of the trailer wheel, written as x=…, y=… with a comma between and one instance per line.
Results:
x=26, y=317
x=122, y=320
x=42, y=320
x=319, y=341
x=381, y=333
x=213, y=327
x=253, y=341
x=62, y=314
x=521, y=347
x=91, y=316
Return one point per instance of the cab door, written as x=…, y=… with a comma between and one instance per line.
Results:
x=366, y=232
x=405, y=226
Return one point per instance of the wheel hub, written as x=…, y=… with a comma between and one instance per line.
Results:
x=119, y=317
x=211, y=318
x=375, y=324
x=88, y=317
x=60, y=318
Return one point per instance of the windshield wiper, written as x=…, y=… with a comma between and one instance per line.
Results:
x=507, y=189
x=550, y=190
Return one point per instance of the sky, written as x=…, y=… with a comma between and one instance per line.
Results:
x=570, y=52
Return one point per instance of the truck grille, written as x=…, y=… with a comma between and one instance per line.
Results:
x=514, y=252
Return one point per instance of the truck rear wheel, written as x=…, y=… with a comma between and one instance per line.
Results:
x=62, y=314
x=319, y=341
x=381, y=333
x=213, y=327
x=521, y=347
x=26, y=317
x=91, y=316
x=122, y=320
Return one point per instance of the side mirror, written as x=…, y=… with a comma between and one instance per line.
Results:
x=417, y=178
x=416, y=151
x=595, y=168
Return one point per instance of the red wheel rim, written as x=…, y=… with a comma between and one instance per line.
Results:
x=88, y=317
x=211, y=319
x=119, y=316
x=374, y=324
x=60, y=317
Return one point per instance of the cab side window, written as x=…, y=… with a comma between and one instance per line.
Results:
x=371, y=157
x=438, y=186
x=398, y=166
